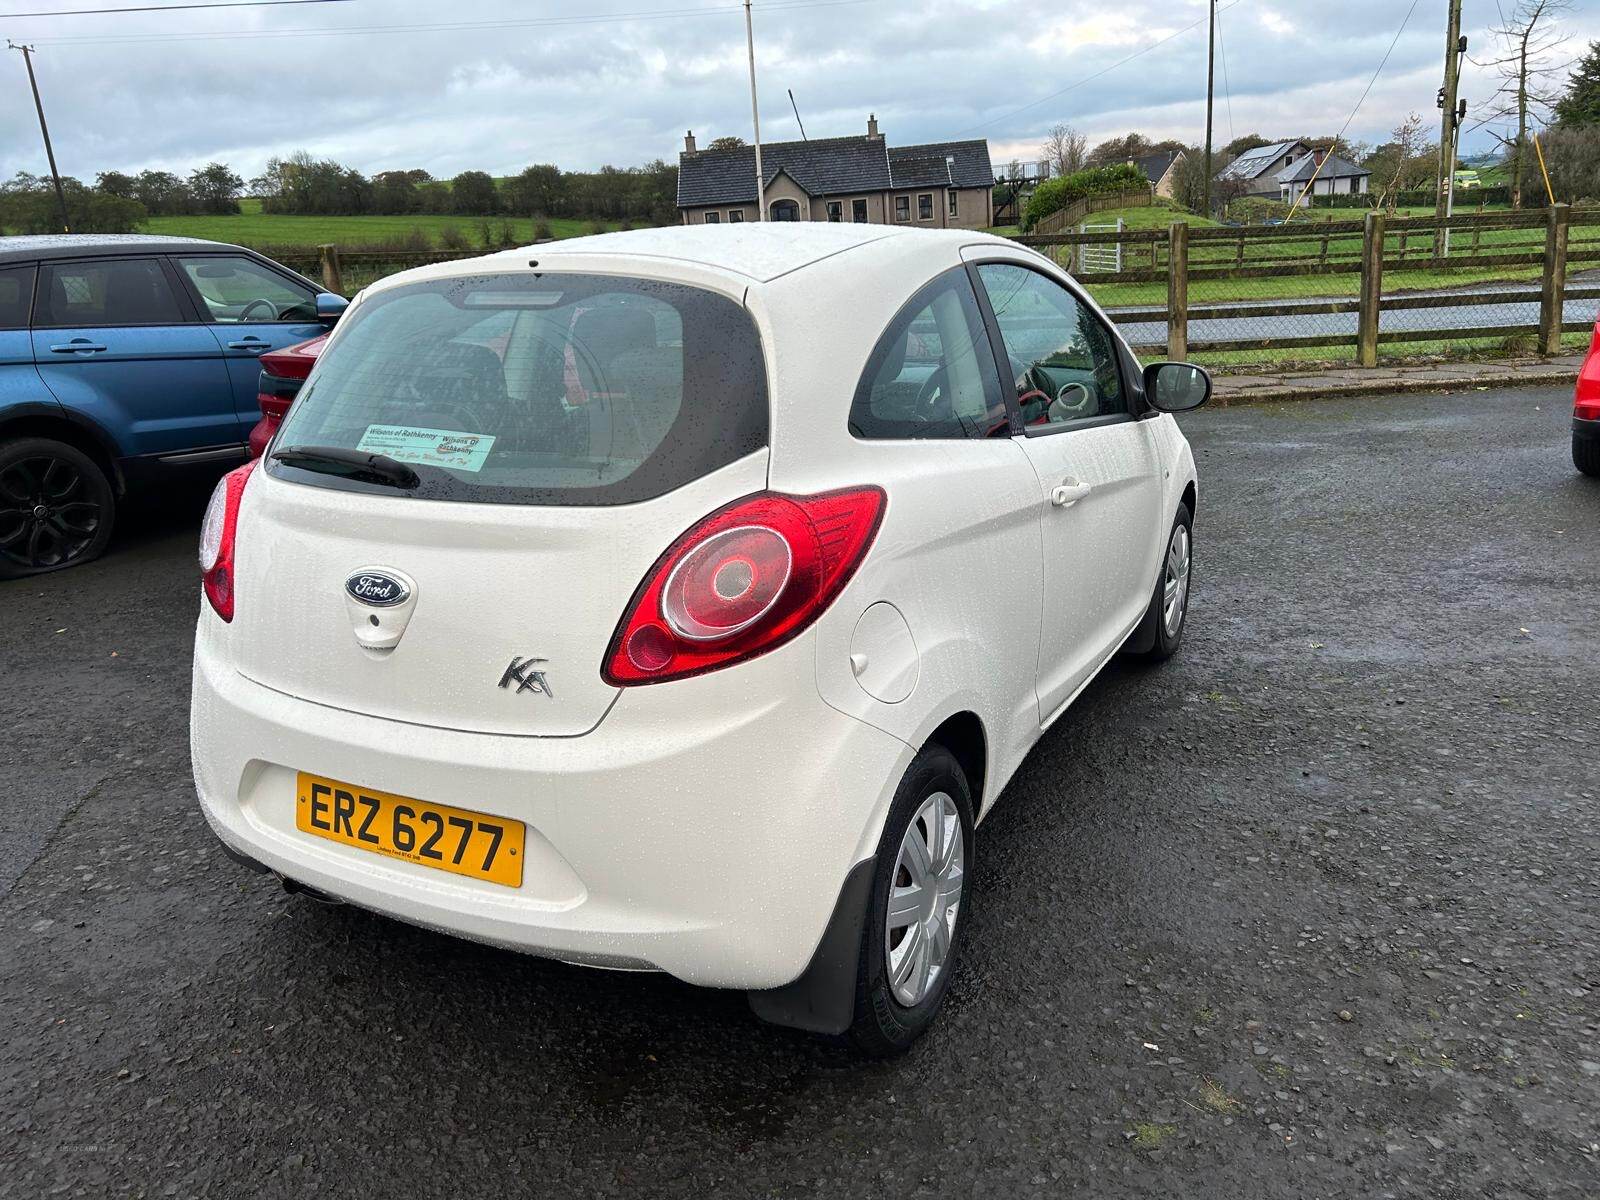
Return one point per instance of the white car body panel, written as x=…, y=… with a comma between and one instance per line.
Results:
x=703, y=826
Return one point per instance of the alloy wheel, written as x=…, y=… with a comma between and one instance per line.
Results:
x=1175, y=581
x=924, y=899
x=47, y=513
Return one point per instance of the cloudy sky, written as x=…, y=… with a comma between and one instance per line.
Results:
x=498, y=84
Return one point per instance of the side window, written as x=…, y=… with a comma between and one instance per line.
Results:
x=235, y=290
x=932, y=374
x=1064, y=361
x=123, y=291
x=16, y=294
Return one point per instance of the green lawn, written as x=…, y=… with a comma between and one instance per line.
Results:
x=252, y=227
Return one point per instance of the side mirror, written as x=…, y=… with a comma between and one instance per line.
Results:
x=1176, y=387
x=330, y=307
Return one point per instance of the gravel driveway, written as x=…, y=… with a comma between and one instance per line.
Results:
x=1313, y=911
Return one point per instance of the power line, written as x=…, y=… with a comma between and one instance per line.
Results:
x=1339, y=137
x=1091, y=78
x=143, y=8
x=1227, y=92
x=439, y=26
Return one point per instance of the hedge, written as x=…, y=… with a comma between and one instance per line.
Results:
x=1417, y=198
x=1055, y=194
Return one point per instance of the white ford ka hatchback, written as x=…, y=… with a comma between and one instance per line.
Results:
x=682, y=599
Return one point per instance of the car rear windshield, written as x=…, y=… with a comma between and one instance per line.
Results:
x=537, y=388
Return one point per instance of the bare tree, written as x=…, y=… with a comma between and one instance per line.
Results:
x=1403, y=162
x=1064, y=149
x=1529, y=73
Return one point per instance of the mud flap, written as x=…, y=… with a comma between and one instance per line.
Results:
x=823, y=999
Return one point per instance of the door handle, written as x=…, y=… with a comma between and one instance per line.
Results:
x=78, y=346
x=250, y=343
x=1068, y=493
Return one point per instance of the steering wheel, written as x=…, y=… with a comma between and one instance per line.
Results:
x=1030, y=390
x=934, y=386
x=251, y=306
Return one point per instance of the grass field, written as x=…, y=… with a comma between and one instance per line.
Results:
x=252, y=227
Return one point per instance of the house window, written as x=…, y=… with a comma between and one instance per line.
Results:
x=835, y=210
x=1355, y=184
x=858, y=211
x=735, y=215
x=952, y=198
x=713, y=217
x=925, y=206
x=902, y=208
x=785, y=210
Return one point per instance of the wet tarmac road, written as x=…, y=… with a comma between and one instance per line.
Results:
x=1314, y=910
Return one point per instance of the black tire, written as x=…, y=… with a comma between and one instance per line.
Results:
x=1586, y=454
x=883, y=1026
x=1160, y=645
x=56, y=507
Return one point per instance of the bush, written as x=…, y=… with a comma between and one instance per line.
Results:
x=452, y=238
x=1256, y=208
x=541, y=230
x=600, y=226
x=1055, y=194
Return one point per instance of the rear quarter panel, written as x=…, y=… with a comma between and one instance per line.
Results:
x=958, y=552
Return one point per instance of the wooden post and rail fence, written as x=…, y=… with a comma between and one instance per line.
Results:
x=1181, y=256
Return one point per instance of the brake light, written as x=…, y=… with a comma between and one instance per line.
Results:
x=217, y=539
x=743, y=581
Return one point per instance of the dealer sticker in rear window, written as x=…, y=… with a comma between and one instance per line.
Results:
x=430, y=447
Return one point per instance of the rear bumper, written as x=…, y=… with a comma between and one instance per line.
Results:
x=1585, y=431
x=705, y=829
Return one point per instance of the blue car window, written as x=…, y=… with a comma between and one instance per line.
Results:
x=121, y=291
x=237, y=290
x=16, y=293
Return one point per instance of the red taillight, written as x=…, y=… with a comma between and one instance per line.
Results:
x=217, y=539
x=743, y=581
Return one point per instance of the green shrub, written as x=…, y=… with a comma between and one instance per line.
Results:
x=451, y=238
x=1055, y=194
x=541, y=230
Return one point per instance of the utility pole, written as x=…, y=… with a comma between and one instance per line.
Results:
x=1454, y=46
x=1211, y=90
x=755, y=112
x=61, y=197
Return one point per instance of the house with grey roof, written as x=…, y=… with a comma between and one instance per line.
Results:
x=1327, y=174
x=1282, y=170
x=1161, y=169
x=860, y=178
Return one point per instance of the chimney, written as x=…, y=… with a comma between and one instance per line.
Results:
x=688, y=142
x=872, y=125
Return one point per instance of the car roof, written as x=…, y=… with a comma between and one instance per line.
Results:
x=748, y=252
x=27, y=248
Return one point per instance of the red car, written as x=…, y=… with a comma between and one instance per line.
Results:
x=282, y=373
x=1586, y=412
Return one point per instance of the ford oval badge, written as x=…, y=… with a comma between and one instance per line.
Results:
x=377, y=588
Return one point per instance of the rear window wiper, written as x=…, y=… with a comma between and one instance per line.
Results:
x=351, y=464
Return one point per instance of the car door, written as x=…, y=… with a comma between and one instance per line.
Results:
x=250, y=309
x=115, y=340
x=1097, y=465
x=19, y=380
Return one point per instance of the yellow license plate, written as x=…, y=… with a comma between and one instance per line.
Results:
x=435, y=835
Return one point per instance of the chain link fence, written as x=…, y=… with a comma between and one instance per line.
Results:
x=1330, y=291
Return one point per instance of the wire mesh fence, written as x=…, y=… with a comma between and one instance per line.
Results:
x=1327, y=291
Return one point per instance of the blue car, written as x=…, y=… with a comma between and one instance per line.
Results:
x=125, y=359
